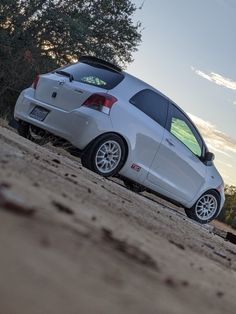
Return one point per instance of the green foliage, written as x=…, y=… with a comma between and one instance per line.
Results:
x=228, y=214
x=39, y=35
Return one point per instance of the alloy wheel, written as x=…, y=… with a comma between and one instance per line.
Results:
x=206, y=207
x=108, y=156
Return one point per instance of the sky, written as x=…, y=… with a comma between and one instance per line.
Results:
x=188, y=52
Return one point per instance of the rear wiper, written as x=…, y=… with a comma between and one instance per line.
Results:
x=71, y=77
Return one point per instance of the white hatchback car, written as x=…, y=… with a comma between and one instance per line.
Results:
x=124, y=126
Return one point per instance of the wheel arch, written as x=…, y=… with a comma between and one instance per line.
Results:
x=211, y=190
x=109, y=133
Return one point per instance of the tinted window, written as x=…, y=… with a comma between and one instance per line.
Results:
x=94, y=75
x=182, y=128
x=153, y=104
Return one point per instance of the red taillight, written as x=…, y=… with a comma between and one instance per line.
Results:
x=101, y=102
x=35, y=81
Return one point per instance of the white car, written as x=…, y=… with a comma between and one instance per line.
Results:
x=124, y=126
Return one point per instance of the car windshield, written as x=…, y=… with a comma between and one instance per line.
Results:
x=94, y=74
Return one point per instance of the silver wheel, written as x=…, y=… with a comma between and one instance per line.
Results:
x=108, y=156
x=206, y=207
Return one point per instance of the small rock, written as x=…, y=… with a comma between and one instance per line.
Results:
x=56, y=161
x=45, y=242
x=94, y=218
x=5, y=185
x=179, y=245
x=170, y=282
x=184, y=283
x=63, y=208
x=220, y=294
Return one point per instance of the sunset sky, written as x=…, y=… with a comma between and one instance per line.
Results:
x=188, y=52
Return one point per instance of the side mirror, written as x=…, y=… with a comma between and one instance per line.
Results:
x=209, y=156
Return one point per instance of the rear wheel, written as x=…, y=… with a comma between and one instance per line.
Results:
x=33, y=133
x=206, y=208
x=106, y=155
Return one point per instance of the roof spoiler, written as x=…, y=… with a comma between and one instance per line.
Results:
x=94, y=60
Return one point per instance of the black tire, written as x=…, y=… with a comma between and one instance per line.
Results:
x=198, y=208
x=90, y=158
x=133, y=186
x=23, y=129
x=33, y=133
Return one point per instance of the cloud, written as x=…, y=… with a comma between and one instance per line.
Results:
x=213, y=148
x=225, y=164
x=215, y=139
x=222, y=145
x=216, y=78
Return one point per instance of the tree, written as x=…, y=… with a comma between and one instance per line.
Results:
x=38, y=35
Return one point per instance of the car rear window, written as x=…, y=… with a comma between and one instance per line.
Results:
x=94, y=74
x=152, y=104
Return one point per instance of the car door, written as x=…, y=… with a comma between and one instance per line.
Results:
x=177, y=170
x=143, y=123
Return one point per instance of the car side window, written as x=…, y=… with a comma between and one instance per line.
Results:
x=182, y=128
x=152, y=104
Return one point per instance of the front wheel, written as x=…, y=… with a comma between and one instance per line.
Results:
x=106, y=156
x=206, y=208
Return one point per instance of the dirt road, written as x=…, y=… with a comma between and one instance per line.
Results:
x=73, y=242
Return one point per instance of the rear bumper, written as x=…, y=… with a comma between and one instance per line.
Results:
x=79, y=126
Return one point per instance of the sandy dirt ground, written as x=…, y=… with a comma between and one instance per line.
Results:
x=73, y=242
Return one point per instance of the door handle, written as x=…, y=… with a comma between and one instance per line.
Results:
x=170, y=142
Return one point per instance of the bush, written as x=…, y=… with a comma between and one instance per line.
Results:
x=228, y=213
